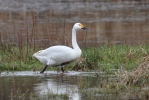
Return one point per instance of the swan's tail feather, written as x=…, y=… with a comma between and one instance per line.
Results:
x=37, y=53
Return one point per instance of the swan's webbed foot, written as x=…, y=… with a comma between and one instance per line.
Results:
x=41, y=72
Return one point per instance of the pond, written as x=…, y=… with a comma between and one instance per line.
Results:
x=48, y=23
x=54, y=86
x=15, y=85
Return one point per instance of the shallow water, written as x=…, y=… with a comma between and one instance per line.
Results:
x=15, y=84
x=28, y=84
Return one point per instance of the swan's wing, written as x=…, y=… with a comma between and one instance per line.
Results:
x=54, y=49
x=57, y=55
x=60, y=54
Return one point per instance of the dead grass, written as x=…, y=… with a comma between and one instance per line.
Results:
x=133, y=77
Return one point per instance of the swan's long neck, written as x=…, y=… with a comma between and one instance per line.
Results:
x=74, y=41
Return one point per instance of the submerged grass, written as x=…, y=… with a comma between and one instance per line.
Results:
x=110, y=88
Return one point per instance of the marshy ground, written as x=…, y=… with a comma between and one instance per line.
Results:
x=114, y=71
x=114, y=63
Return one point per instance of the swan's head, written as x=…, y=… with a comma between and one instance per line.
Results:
x=79, y=26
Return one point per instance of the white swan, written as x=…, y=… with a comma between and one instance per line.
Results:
x=60, y=55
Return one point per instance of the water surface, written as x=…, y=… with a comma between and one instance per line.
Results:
x=53, y=85
x=15, y=85
x=50, y=22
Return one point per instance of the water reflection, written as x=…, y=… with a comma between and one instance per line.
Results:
x=30, y=85
x=14, y=87
x=58, y=85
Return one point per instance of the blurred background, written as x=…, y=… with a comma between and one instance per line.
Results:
x=45, y=23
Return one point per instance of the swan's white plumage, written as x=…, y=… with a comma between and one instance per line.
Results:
x=57, y=55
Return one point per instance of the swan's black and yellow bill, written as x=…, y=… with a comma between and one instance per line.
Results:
x=83, y=27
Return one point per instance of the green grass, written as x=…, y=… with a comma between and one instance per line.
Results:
x=104, y=58
x=107, y=58
x=16, y=59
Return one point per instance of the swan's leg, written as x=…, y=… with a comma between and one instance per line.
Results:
x=62, y=69
x=44, y=69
